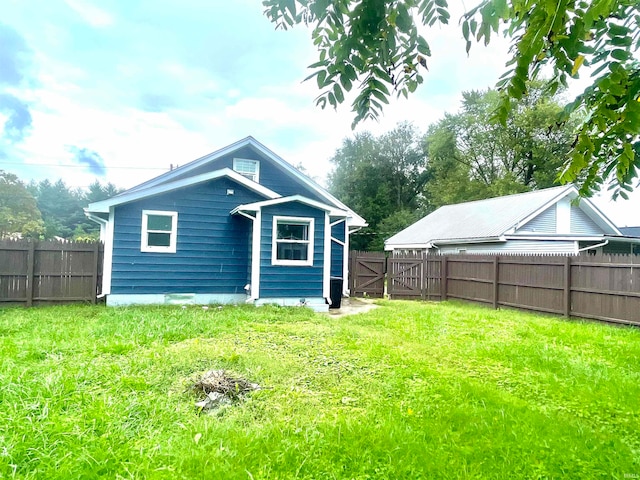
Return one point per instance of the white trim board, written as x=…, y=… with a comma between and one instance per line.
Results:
x=326, y=267
x=354, y=219
x=255, y=256
x=252, y=207
x=310, y=221
x=107, y=263
x=133, y=195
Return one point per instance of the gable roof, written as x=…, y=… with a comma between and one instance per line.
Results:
x=254, y=207
x=630, y=231
x=138, y=193
x=490, y=218
x=355, y=219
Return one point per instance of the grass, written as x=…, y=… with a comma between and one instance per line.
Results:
x=409, y=390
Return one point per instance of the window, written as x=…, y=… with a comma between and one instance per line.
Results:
x=159, y=231
x=247, y=168
x=292, y=241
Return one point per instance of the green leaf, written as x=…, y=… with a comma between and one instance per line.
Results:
x=501, y=8
x=620, y=54
x=337, y=91
x=423, y=47
x=322, y=76
x=465, y=30
x=346, y=83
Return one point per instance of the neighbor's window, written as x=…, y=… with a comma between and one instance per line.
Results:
x=247, y=168
x=159, y=231
x=292, y=241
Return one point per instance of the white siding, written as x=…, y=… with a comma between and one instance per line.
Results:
x=543, y=223
x=513, y=246
x=581, y=223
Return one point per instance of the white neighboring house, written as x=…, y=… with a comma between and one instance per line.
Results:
x=543, y=221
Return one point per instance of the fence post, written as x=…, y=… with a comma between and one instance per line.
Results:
x=425, y=280
x=351, y=272
x=567, y=287
x=94, y=278
x=30, y=266
x=495, y=282
x=443, y=278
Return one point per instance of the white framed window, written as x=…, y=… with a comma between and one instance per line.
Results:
x=159, y=231
x=247, y=168
x=292, y=241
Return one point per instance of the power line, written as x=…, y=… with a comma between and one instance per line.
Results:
x=80, y=166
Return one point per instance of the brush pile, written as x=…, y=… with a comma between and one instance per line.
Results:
x=220, y=388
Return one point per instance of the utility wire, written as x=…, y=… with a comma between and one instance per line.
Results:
x=80, y=166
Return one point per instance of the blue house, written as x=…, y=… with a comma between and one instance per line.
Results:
x=237, y=225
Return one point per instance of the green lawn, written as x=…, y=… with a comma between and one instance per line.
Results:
x=409, y=390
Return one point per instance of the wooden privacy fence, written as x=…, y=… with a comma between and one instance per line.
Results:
x=600, y=287
x=366, y=274
x=46, y=272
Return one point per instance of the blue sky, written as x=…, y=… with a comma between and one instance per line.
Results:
x=118, y=91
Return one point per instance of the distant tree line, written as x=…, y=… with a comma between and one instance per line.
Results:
x=48, y=210
x=396, y=178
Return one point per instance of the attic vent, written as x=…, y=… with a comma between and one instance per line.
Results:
x=247, y=168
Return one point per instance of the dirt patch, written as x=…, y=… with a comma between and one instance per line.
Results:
x=217, y=387
x=353, y=306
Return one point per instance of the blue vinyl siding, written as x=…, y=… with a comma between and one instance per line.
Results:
x=279, y=281
x=271, y=176
x=337, y=250
x=212, y=254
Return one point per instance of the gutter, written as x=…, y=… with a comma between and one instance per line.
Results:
x=94, y=218
x=591, y=247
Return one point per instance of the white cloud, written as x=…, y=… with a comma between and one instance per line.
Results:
x=94, y=16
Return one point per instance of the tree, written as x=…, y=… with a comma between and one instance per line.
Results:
x=377, y=45
x=62, y=207
x=473, y=156
x=19, y=213
x=379, y=177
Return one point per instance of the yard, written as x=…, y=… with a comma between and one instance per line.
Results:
x=409, y=390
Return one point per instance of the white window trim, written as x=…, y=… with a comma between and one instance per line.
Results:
x=145, y=247
x=255, y=162
x=274, y=242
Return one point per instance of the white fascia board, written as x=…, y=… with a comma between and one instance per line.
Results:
x=394, y=246
x=555, y=237
x=168, y=176
x=570, y=189
x=448, y=241
x=573, y=191
x=103, y=207
x=353, y=218
x=462, y=241
x=601, y=216
x=254, y=207
x=614, y=238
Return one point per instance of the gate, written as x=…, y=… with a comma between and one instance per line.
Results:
x=415, y=276
x=366, y=274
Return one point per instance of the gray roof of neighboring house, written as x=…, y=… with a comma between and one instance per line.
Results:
x=630, y=231
x=479, y=219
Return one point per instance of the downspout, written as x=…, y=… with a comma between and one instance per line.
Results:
x=590, y=247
